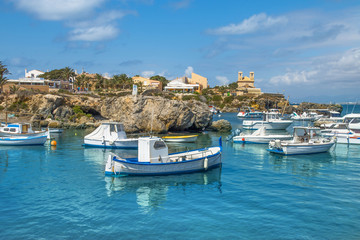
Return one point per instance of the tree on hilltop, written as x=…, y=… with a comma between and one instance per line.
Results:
x=162, y=79
x=3, y=71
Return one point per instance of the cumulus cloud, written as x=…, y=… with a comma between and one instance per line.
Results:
x=223, y=80
x=254, y=23
x=58, y=9
x=341, y=71
x=188, y=71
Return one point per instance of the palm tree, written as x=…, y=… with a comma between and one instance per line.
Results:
x=81, y=80
x=99, y=81
x=3, y=71
x=68, y=73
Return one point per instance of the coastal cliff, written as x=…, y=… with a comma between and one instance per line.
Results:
x=138, y=113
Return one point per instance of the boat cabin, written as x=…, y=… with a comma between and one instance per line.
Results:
x=17, y=128
x=304, y=134
x=153, y=150
x=270, y=116
x=352, y=118
x=109, y=131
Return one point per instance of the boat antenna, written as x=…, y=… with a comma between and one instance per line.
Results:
x=354, y=106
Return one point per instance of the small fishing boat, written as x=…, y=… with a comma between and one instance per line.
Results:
x=19, y=129
x=306, y=140
x=154, y=159
x=110, y=135
x=56, y=130
x=181, y=139
x=259, y=136
x=271, y=121
x=249, y=113
x=23, y=140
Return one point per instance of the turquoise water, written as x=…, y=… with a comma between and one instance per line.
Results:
x=62, y=193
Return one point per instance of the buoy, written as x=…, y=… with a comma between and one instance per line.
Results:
x=75, y=134
x=53, y=143
x=243, y=139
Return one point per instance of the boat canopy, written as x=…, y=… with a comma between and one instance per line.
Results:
x=303, y=133
x=111, y=131
x=153, y=150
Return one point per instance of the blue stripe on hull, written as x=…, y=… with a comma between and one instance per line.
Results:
x=251, y=142
x=282, y=153
x=111, y=174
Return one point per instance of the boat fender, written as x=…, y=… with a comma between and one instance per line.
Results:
x=206, y=163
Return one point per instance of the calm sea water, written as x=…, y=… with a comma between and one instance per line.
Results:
x=62, y=193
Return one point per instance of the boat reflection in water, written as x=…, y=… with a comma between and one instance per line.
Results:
x=151, y=191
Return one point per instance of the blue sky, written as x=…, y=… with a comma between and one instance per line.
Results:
x=309, y=49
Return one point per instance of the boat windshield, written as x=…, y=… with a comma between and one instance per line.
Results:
x=159, y=145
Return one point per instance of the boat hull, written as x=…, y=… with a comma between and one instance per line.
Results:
x=276, y=125
x=297, y=149
x=116, y=167
x=23, y=141
x=259, y=139
x=348, y=139
x=122, y=143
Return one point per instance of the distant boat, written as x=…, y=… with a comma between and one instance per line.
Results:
x=110, y=135
x=250, y=113
x=184, y=139
x=19, y=129
x=342, y=133
x=55, y=130
x=271, y=121
x=306, y=140
x=259, y=136
x=23, y=140
x=154, y=159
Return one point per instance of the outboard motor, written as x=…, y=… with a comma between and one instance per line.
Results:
x=234, y=133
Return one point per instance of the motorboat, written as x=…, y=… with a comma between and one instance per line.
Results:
x=259, y=136
x=271, y=121
x=306, y=140
x=302, y=117
x=19, y=129
x=353, y=120
x=181, y=139
x=249, y=113
x=23, y=140
x=154, y=159
x=110, y=135
x=55, y=130
x=342, y=133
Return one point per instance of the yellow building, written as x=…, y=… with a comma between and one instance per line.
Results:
x=197, y=79
x=148, y=83
x=246, y=85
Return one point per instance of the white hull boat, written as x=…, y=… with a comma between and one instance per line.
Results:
x=342, y=133
x=272, y=121
x=19, y=129
x=180, y=139
x=153, y=159
x=23, y=140
x=110, y=135
x=259, y=136
x=306, y=140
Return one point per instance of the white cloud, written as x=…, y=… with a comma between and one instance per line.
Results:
x=180, y=4
x=223, y=80
x=188, y=71
x=147, y=74
x=254, y=23
x=58, y=9
x=98, y=33
x=336, y=71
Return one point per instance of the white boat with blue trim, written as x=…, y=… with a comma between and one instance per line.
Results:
x=306, y=140
x=23, y=140
x=154, y=159
x=19, y=129
x=181, y=139
x=260, y=136
x=110, y=135
x=271, y=121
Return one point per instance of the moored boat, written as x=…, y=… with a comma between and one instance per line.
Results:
x=154, y=159
x=19, y=129
x=23, y=140
x=183, y=139
x=271, y=121
x=306, y=140
x=110, y=135
x=260, y=136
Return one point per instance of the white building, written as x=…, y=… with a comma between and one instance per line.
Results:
x=180, y=84
x=33, y=73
